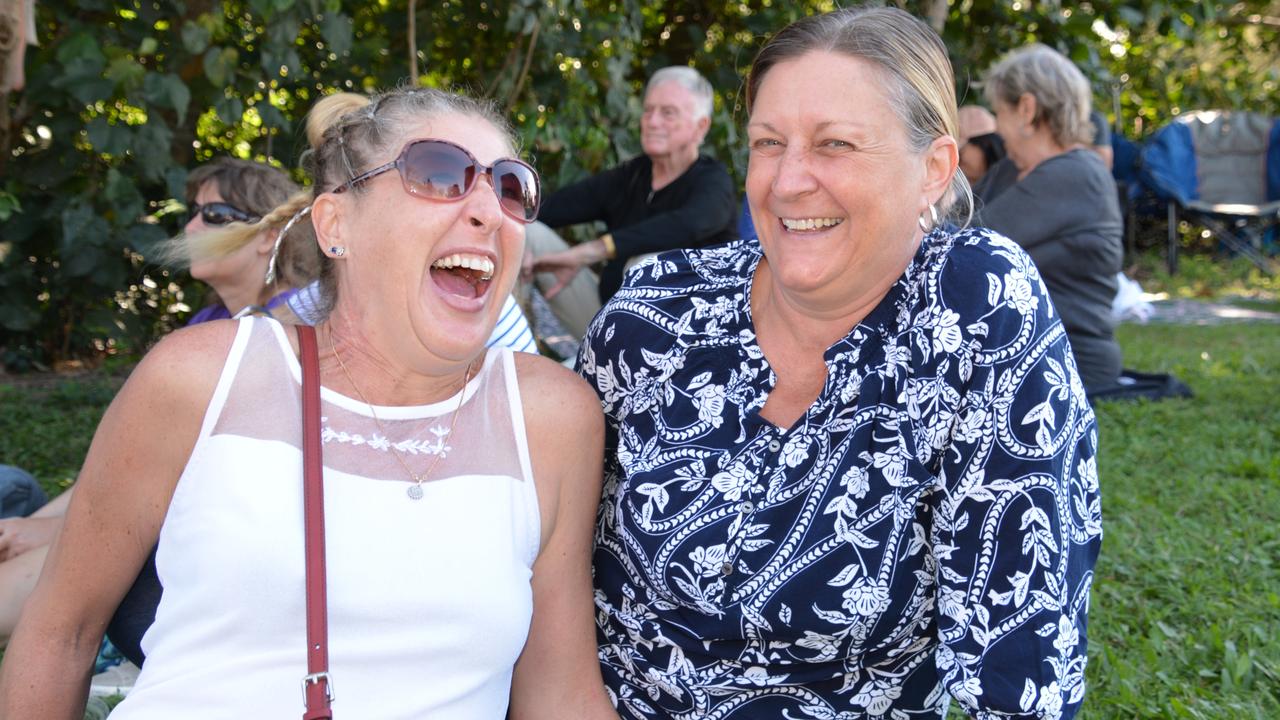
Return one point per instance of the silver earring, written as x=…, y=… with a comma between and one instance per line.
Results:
x=927, y=225
x=275, y=251
x=337, y=251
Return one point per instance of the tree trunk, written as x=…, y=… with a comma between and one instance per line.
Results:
x=937, y=15
x=413, y=41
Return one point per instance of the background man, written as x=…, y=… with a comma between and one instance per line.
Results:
x=670, y=197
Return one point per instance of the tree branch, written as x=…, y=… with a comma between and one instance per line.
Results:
x=413, y=41
x=524, y=69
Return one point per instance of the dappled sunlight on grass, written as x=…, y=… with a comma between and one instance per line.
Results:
x=1208, y=277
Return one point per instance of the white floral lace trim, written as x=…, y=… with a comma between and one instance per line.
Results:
x=375, y=441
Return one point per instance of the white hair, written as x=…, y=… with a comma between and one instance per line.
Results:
x=692, y=81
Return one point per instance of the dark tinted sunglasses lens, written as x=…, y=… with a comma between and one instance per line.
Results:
x=437, y=170
x=517, y=189
x=222, y=213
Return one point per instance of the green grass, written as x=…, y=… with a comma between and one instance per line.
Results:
x=1187, y=594
x=46, y=427
x=1186, y=602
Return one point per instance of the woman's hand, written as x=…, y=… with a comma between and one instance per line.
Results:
x=565, y=265
x=18, y=535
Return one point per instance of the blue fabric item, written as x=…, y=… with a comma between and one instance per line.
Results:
x=927, y=527
x=746, y=227
x=1273, y=162
x=1125, y=152
x=513, y=330
x=20, y=494
x=218, y=311
x=108, y=657
x=1169, y=164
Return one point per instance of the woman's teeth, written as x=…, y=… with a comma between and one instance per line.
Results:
x=810, y=223
x=479, y=263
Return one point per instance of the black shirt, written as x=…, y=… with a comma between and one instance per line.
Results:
x=696, y=209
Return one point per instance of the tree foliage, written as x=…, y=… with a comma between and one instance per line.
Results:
x=123, y=97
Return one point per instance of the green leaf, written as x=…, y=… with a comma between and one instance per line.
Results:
x=148, y=46
x=126, y=73
x=9, y=205
x=82, y=47
x=175, y=181
x=195, y=38
x=230, y=109
x=82, y=76
x=152, y=149
x=167, y=91
x=220, y=64
x=272, y=117
x=77, y=220
x=18, y=318
x=107, y=138
x=126, y=202
x=337, y=31
x=143, y=237
x=83, y=260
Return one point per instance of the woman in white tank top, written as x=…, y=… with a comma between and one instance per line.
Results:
x=461, y=484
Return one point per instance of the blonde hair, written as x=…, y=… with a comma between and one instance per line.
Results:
x=909, y=56
x=1060, y=89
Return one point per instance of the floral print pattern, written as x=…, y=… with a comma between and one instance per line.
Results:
x=926, y=530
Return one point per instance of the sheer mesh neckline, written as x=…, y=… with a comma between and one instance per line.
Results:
x=385, y=412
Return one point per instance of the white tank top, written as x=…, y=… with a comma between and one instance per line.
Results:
x=429, y=599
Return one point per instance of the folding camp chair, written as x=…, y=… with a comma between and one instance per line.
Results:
x=1222, y=171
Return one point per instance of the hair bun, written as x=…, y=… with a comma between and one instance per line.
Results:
x=328, y=111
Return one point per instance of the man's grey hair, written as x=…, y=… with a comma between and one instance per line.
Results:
x=692, y=81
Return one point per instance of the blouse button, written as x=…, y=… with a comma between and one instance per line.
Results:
x=748, y=506
x=726, y=569
x=774, y=445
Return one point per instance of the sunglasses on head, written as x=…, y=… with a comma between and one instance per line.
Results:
x=220, y=213
x=441, y=170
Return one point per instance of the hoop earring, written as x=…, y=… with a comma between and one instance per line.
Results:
x=337, y=251
x=275, y=251
x=932, y=223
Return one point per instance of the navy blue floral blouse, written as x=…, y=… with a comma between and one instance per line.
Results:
x=927, y=530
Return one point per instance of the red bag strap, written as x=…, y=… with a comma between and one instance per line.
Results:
x=317, y=687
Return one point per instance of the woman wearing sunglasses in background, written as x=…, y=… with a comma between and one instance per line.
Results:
x=458, y=528
x=243, y=268
x=235, y=264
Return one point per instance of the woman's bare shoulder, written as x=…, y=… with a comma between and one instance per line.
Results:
x=554, y=390
x=186, y=364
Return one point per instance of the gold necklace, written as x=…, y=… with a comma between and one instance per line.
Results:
x=415, y=490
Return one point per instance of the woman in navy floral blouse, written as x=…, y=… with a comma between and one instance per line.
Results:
x=850, y=469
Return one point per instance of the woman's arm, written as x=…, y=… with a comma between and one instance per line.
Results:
x=558, y=674
x=1018, y=526
x=139, y=450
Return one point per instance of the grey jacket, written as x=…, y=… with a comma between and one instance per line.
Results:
x=1066, y=214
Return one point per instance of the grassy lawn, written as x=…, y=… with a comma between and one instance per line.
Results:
x=1186, y=601
x=1187, y=594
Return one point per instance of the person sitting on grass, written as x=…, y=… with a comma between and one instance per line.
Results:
x=458, y=526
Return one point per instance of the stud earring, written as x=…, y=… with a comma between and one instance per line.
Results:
x=337, y=251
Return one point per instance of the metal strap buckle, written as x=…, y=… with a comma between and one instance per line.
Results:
x=315, y=678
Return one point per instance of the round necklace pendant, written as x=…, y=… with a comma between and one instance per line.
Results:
x=414, y=492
